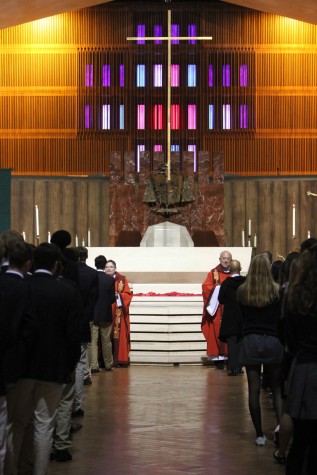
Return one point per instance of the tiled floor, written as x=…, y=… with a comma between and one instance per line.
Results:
x=154, y=420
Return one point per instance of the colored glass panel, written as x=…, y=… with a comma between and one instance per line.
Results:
x=140, y=75
x=244, y=75
x=141, y=33
x=175, y=117
x=174, y=75
x=158, y=117
x=226, y=75
x=192, y=32
x=158, y=75
x=106, y=116
x=226, y=116
x=191, y=75
x=157, y=32
x=175, y=32
x=191, y=116
x=89, y=75
x=106, y=75
x=141, y=117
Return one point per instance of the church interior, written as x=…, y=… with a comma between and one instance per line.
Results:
x=92, y=121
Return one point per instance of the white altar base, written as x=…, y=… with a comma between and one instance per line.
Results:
x=167, y=329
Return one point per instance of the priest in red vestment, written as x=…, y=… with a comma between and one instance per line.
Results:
x=211, y=320
x=120, y=316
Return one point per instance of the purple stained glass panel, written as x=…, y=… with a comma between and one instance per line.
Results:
x=87, y=117
x=89, y=75
x=192, y=32
x=158, y=148
x=141, y=33
x=243, y=116
x=157, y=32
x=210, y=75
x=106, y=75
x=175, y=32
x=226, y=75
x=121, y=71
x=244, y=75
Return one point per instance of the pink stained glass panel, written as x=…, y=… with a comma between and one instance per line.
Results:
x=191, y=117
x=175, y=117
x=141, y=117
x=158, y=117
x=174, y=75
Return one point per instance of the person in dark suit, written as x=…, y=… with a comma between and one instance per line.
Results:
x=8, y=239
x=88, y=287
x=102, y=322
x=53, y=351
x=231, y=323
x=14, y=301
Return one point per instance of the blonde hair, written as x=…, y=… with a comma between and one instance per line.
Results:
x=259, y=289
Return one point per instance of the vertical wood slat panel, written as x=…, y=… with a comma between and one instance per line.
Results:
x=271, y=202
x=64, y=203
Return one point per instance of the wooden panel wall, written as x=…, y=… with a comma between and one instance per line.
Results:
x=42, y=89
x=74, y=204
x=268, y=202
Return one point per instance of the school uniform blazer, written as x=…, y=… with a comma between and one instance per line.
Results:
x=88, y=287
x=106, y=297
x=16, y=322
x=56, y=310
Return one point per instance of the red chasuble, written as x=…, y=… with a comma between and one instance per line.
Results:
x=121, y=322
x=210, y=326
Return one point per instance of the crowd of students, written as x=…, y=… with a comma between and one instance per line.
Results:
x=268, y=320
x=49, y=304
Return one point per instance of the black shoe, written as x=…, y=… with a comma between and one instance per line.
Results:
x=95, y=370
x=233, y=372
x=109, y=369
x=279, y=458
x=75, y=427
x=63, y=455
x=78, y=413
x=87, y=381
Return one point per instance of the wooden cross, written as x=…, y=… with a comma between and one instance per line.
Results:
x=169, y=38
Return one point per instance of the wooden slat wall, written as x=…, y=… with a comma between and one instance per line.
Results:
x=74, y=204
x=268, y=202
x=42, y=89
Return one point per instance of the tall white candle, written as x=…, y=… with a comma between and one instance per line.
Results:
x=250, y=228
x=308, y=234
x=76, y=240
x=83, y=242
x=48, y=236
x=294, y=221
x=23, y=235
x=249, y=242
x=88, y=237
x=255, y=240
x=37, y=222
x=242, y=238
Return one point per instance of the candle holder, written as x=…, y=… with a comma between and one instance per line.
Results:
x=250, y=239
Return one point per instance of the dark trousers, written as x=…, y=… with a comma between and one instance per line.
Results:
x=233, y=352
